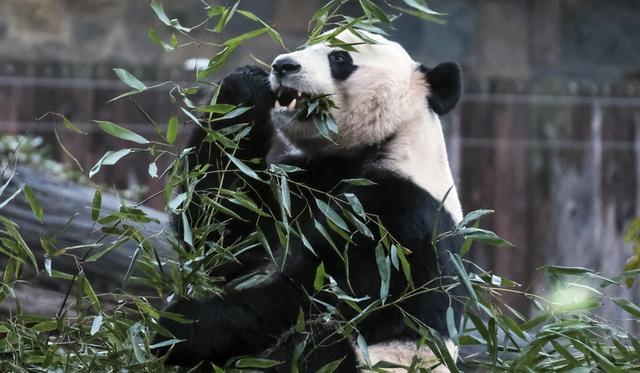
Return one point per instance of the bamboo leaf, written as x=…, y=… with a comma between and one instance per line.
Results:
x=96, y=204
x=466, y=246
x=285, y=194
x=11, y=197
x=243, y=167
x=330, y=367
x=251, y=362
x=473, y=216
x=421, y=6
x=153, y=170
x=227, y=14
x=451, y=325
x=121, y=132
x=106, y=249
x=318, y=281
x=158, y=9
x=273, y=34
x=45, y=326
x=355, y=204
x=11, y=229
x=69, y=125
x=362, y=227
x=96, y=324
x=571, y=271
x=372, y=10
x=33, y=203
x=4, y=186
x=130, y=80
x=406, y=267
x=168, y=342
x=156, y=39
x=233, y=113
x=187, y=235
x=47, y=265
x=216, y=108
x=172, y=129
x=176, y=201
x=628, y=306
x=88, y=291
x=230, y=45
x=364, y=349
x=384, y=269
x=359, y=182
x=323, y=231
x=332, y=215
x=108, y=159
x=463, y=276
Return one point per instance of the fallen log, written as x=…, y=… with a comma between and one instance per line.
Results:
x=67, y=218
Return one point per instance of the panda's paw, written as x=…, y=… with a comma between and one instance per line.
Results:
x=210, y=330
x=247, y=86
x=180, y=323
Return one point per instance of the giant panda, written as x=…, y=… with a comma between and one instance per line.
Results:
x=387, y=109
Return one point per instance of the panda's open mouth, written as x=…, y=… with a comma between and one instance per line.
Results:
x=289, y=99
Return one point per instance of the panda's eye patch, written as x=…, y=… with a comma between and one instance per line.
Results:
x=339, y=56
x=341, y=64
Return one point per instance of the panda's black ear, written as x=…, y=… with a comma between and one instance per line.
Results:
x=445, y=86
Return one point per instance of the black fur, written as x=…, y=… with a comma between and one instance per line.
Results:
x=445, y=86
x=322, y=344
x=341, y=65
x=245, y=86
x=261, y=318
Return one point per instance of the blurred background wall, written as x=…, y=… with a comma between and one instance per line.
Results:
x=548, y=133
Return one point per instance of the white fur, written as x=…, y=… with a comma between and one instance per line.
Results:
x=402, y=352
x=419, y=153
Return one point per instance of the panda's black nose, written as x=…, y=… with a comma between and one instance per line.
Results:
x=285, y=67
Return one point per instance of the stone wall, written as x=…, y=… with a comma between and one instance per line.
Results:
x=522, y=39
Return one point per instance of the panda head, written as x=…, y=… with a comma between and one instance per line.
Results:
x=377, y=89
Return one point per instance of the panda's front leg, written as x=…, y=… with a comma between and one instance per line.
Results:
x=247, y=87
x=244, y=322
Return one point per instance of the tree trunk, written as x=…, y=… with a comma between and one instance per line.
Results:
x=67, y=219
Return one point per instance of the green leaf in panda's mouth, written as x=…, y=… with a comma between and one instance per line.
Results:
x=320, y=105
x=319, y=111
x=308, y=108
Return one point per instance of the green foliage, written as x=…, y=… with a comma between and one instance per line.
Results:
x=632, y=236
x=113, y=331
x=318, y=110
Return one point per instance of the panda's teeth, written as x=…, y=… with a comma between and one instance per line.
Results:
x=299, y=94
x=277, y=105
x=292, y=104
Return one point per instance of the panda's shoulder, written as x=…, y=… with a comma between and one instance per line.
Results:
x=400, y=201
x=390, y=186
